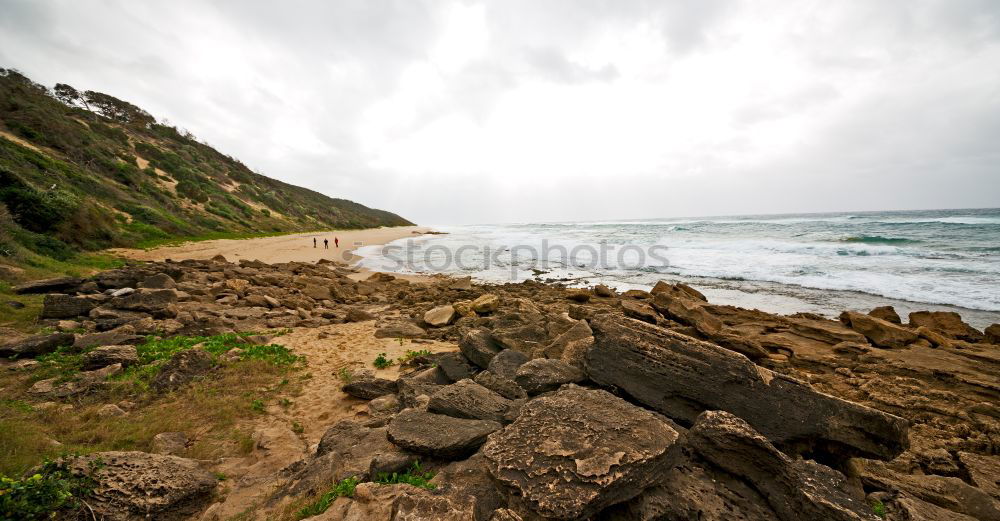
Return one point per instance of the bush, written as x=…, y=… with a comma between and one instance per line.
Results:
x=345, y=488
x=43, y=495
x=415, y=476
x=381, y=362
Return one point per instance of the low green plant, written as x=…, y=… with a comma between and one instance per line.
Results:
x=381, y=362
x=345, y=375
x=345, y=488
x=411, y=354
x=297, y=428
x=257, y=405
x=415, y=476
x=54, y=489
x=878, y=508
x=220, y=476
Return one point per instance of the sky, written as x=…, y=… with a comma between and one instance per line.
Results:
x=558, y=110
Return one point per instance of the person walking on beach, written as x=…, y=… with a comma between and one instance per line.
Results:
x=314, y=242
x=326, y=244
x=336, y=242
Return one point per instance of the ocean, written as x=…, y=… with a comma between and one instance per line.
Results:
x=819, y=263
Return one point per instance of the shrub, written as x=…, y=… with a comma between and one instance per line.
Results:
x=43, y=495
x=381, y=362
x=415, y=476
x=345, y=488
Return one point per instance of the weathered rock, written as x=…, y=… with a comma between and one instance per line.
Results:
x=576, y=451
x=124, y=335
x=158, y=302
x=172, y=443
x=579, y=295
x=887, y=313
x=947, y=322
x=983, y=471
x=506, y=363
x=83, y=382
x=109, y=355
x=468, y=399
x=505, y=514
x=182, y=368
x=992, y=334
x=410, y=389
x=603, y=291
x=455, y=366
x=479, y=347
x=688, y=311
x=36, y=345
x=437, y=435
x=370, y=388
x=158, y=281
x=400, y=330
x=56, y=285
x=502, y=386
x=486, y=304
x=440, y=316
x=57, y=305
x=461, y=284
x=636, y=294
x=542, y=375
x=950, y=493
x=936, y=339
x=110, y=410
x=571, y=346
x=794, y=489
x=680, y=377
x=822, y=330
x=140, y=485
x=639, y=310
x=901, y=507
x=358, y=315
x=878, y=331
x=529, y=339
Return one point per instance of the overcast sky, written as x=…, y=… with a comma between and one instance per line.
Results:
x=466, y=112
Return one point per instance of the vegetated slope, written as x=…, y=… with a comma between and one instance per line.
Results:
x=85, y=171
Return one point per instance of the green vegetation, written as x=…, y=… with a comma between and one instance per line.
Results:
x=381, y=362
x=411, y=354
x=878, y=508
x=415, y=476
x=51, y=490
x=344, y=488
x=345, y=375
x=84, y=171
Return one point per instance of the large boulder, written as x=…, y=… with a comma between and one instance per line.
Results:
x=681, y=377
x=182, y=368
x=947, y=322
x=437, y=435
x=879, y=332
x=454, y=365
x=502, y=386
x=400, y=329
x=506, y=363
x=947, y=492
x=638, y=310
x=370, y=388
x=158, y=281
x=57, y=285
x=574, y=452
x=140, y=485
x=542, y=375
x=479, y=347
x=158, y=302
x=486, y=304
x=109, y=355
x=58, y=305
x=33, y=346
x=529, y=339
x=123, y=335
x=467, y=399
x=992, y=334
x=887, y=313
x=440, y=316
x=795, y=489
x=572, y=346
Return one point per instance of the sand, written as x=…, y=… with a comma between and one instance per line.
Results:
x=283, y=248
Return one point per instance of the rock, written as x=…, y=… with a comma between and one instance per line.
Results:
x=468, y=399
x=901, y=507
x=529, y=339
x=502, y=386
x=36, y=345
x=358, y=315
x=400, y=330
x=124, y=335
x=158, y=281
x=983, y=471
x=370, y=388
x=542, y=375
x=936, y=339
x=172, y=443
x=56, y=285
x=219, y=258
x=486, y=304
x=795, y=490
x=603, y=291
x=505, y=514
x=109, y=355
x=110, y=410
x=636, y=294
x=437, y=435
x=389, y=463
x=354, y=446
x=181, y=369
x=461, y=284
x=479, y=347
x=571, y=346
x=680, y=377
x=463, y=308
x=121, y=292
x=57, y=305
x=677, y=290
x=411, y=390
x=574, y=452
x=887, y=313
x=639, y=310
x=440, y=316
x=992, y=334
x=578, y=295
x=84, y=382
x=382, y=409
x=158, y=302
x=139, y=485
x=947, y=322
x=13, y=304
x=68, y=326
x=688, y=311
x=455, y=366
x=822, y=330
x=950, y=493
x=506, y=363
x=879, y=332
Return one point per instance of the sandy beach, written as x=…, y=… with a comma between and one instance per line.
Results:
x=283, y=248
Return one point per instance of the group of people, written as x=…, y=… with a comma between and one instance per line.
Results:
x=326, y=243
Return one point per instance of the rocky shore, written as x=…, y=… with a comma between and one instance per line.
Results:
x=543, y=402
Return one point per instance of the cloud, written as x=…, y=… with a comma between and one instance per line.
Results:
x=472, y=111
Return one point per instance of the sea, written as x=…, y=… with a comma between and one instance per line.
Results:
x=820, y=263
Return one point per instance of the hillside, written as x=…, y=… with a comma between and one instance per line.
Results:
x=82, y=171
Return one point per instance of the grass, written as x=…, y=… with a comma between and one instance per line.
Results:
x=415, y=476
x=878, y=508
x=345, y=488
x=381, y=362
x=345, y=375
x=212, y=236
x=410, y=355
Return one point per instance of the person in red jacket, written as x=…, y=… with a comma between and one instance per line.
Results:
x=336, y=242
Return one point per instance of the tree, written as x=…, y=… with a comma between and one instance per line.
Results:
x=118, y=110
x=68, y=95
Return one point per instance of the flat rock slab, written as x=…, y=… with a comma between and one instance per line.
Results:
x=37, y=345
x=479, y=347
x=437, y=435
x=681, y=377
x=370, y=388
x=400, y=330
x=576, y=451
x=468, y=399
x=542, y=375
x=506, y=363
x=48, y=285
